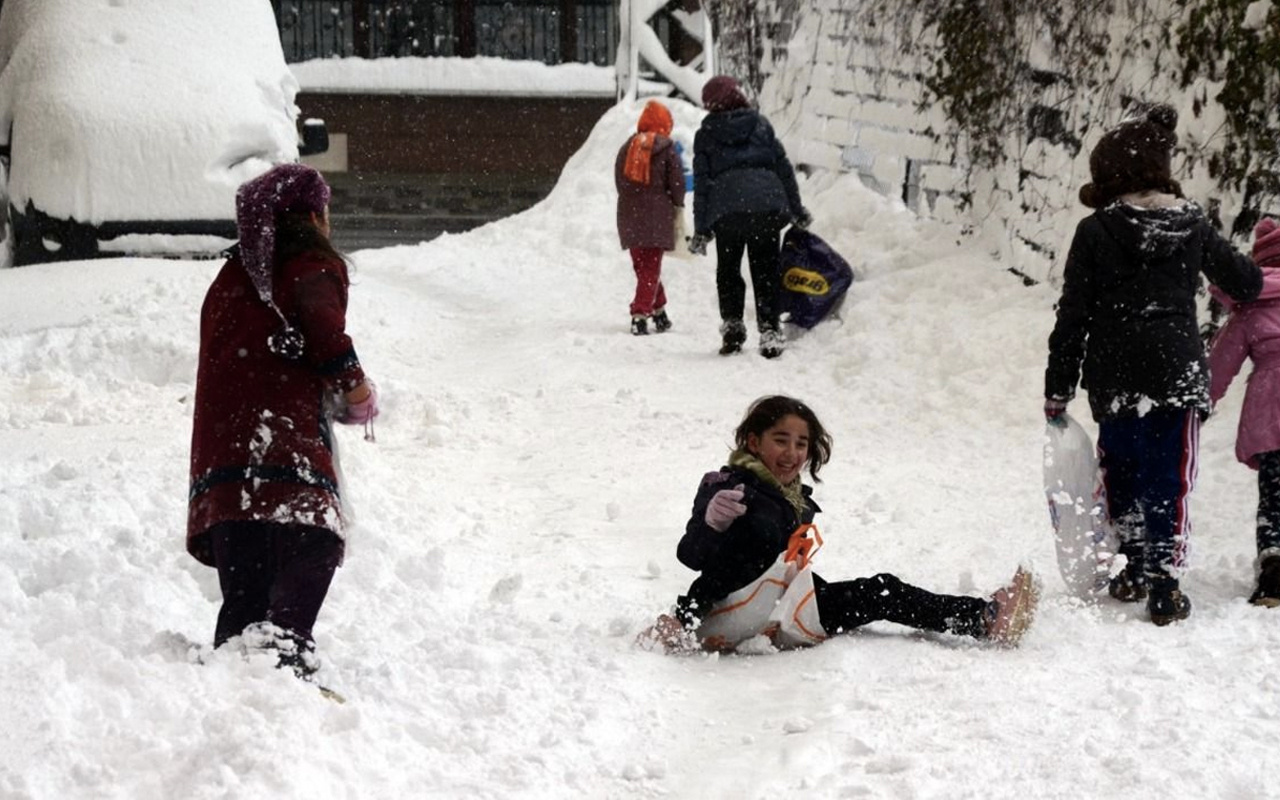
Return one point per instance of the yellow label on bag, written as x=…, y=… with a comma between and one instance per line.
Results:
x=805, y=281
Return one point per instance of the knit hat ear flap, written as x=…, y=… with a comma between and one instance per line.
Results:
x=1266, y=243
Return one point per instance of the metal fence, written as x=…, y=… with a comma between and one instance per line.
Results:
x=550, y=31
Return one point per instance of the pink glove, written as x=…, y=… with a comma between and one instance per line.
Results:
x=362, y=412
x=726, y=505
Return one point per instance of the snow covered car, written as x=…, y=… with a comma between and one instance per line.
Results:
x=127, y=125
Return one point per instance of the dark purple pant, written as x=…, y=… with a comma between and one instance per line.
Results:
x=272, y=572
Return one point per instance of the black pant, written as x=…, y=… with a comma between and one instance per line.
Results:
x=849, y=604
x=272, y=572
x=759, y=235
x=1269, y=501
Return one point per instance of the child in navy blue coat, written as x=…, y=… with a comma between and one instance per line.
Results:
x=751, y=536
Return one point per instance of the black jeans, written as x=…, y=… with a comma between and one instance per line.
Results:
x=760, y=236
x=272, y=572
x=849, y=604
x=1269, y=501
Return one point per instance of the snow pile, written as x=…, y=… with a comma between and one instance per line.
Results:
x=141, y=109
x=516, y=528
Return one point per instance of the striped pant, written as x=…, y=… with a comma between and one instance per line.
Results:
x=1148, y=468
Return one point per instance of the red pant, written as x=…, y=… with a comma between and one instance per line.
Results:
x=650, y=296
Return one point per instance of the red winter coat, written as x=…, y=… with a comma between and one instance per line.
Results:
x=646, y=211
x=261, y=446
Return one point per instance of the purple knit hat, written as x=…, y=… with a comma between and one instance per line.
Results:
x=283, y=188
x=723, y=93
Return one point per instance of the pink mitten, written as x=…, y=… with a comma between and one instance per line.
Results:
x=726, y=505
x=362, y=412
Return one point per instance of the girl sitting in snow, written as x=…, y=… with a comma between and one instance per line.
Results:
x=752, y=537
x=650, y=185
x=1253, y=331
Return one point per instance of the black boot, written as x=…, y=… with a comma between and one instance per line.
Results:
x=734, y=333
x=1130, y=586
x=1267, y=592
x=661, y=322
x=1166, y=602
x=639, y=326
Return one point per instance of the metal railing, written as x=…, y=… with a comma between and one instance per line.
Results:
x=550, y=31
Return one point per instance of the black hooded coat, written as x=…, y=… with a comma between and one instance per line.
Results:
x=1128, y=308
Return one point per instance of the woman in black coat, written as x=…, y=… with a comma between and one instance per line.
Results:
x=744, y=194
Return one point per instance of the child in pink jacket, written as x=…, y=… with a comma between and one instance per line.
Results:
x=1253, y=331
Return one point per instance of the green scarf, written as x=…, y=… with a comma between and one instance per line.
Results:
x=791, y=491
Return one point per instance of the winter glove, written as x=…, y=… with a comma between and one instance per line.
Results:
x=803, y=220
x=1055, y=412
x=361, y=412
x=698, y=243
x=725, y=506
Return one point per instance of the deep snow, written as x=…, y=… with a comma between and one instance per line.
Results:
x=516, y=528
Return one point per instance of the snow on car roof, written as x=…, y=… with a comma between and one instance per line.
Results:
x=141, y=109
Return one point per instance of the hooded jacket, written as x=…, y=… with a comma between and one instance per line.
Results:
x=1128, y=313
x=732, y=559
x=1252, y=332
x=646, y=211
x=739, y=166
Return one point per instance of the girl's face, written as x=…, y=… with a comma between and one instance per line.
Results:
x=784, y=448
x=321, y=221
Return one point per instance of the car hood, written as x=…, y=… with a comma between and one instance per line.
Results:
x=145, y=110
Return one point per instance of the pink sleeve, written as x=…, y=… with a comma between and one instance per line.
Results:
x=1230, y=349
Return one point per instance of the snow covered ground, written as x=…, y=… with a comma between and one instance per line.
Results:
x=516, y=528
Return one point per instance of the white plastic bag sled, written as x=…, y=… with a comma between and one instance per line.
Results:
x=1083, y=540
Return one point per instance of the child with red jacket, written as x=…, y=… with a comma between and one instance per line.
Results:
x=276, y=366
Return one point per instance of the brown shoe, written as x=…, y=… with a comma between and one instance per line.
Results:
x=1015, y=609
x=1128, y=589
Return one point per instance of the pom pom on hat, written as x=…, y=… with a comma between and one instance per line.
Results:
x=281, y=189
x=1266, y=243
x=1134, y=156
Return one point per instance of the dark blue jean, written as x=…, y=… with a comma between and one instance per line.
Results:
x=1148, y=467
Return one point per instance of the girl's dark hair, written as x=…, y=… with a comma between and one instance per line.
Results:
x=767, y=411
x=297, y=234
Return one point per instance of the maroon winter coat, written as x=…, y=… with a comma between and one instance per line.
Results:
x=646, y=212
x=261, y=446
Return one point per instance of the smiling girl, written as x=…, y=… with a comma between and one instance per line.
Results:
x=751, y=536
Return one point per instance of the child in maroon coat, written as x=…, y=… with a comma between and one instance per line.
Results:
x=275, y=366
x=650, y=185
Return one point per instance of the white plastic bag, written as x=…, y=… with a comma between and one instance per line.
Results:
x=1083, y=540
x=681, y=251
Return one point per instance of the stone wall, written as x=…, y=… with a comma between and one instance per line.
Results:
x=843, y=96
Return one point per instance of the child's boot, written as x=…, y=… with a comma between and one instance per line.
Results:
x=661, y=322
x=1012, y=609
x=1166, y=602
x=1129, y=585
x=772, y=342
x=1267, y=592
x=733, y=333
x=639, y=325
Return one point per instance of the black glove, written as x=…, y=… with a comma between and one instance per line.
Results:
x=803, y=220
x=698, y=243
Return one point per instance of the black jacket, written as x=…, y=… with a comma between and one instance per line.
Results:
x=1128, y=308
x=730, y=560
x=739, y=166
